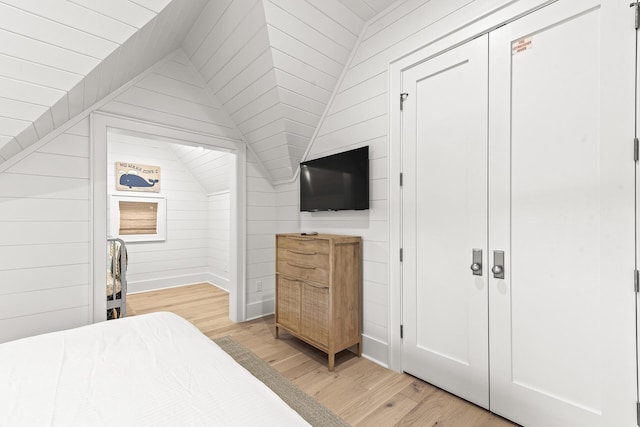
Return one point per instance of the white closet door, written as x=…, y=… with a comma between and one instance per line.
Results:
x=561, y=207
x=444, y=216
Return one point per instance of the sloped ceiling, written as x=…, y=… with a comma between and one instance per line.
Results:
x=211, y=168
x=58, y=57
x=366, y=9
x=272, y=64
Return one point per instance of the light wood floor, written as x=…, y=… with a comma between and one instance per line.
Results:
x=360, y=391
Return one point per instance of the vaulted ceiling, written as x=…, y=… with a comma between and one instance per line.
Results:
x=272, y=64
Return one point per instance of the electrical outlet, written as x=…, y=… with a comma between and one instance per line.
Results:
x=259, y=285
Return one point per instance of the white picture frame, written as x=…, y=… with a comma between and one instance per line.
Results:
x=161, y=219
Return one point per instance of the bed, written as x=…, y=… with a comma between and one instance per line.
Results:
x=149, y=370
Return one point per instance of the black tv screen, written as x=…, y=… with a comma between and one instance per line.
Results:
x=336, y=182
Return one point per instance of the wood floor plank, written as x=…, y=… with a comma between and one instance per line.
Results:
x=363, y=393
x=360, y=408
x=389, y=413
x=418, y=390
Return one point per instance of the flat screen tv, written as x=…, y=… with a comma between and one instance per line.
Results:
x=336, y=182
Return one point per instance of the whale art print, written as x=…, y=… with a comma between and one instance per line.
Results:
x=137, y=177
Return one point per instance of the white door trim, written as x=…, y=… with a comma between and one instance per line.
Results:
x=99, y=124
x=477, y=18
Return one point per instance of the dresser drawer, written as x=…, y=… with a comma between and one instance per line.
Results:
x=303, y=271
x=305, y=258
x=307, y=245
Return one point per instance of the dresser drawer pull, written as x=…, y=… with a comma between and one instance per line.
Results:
x=301, y=252
x=302, y=239
x=308, y=267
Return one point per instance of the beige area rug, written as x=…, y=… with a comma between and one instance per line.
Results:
x=309, y=408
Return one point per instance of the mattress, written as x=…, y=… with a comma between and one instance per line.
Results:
x=149, y=370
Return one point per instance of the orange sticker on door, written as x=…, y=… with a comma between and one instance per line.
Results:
x=521, y=45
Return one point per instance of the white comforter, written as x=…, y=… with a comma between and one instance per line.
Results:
x=151, y=370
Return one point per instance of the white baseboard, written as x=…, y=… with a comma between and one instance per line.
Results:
x=169, y=282
x=219, y=281
x=260, y=309
x=375, y=350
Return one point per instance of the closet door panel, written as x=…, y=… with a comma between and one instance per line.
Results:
x=444, y=212
x=553, y=176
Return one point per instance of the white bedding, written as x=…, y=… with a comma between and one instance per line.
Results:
x=150, y=370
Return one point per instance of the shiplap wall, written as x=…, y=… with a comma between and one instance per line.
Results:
x=183, y=92
x=183, y=257
x=358, y=116
x=44, y=244
x=371, y=225
x=172, y=95
x=213, y=169
x=310, y=44
x=273, y=64
x=367, y=9
x=261, y=229
x=288, y=203
x=45, y=212
x=57, y=58
x=219, y=221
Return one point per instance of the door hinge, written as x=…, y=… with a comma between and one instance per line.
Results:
x=401, y=254
x=401, y=178
x=401, y=331
x=636, y=281
x=636, y=149
x=637, y=6
x=403, y=97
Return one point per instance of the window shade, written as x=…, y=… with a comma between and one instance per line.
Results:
x=138, y=218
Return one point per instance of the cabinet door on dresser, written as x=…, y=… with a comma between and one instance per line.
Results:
x=315, y=313
x=289, y=294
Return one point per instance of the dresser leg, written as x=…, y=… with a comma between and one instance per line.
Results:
x=360, y=349
x=332, y=361
x=277, y=333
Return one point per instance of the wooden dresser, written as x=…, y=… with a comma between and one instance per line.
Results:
x=319, y=290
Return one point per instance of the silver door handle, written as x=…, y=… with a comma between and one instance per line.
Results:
x=476, y=267
x=498, y=265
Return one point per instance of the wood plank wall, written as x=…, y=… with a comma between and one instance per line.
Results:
x=174, y=86
x=359, y=116
x=44, y=249
x=45, y=212
x=273, y=64
x=219, y=205
x=183, y=257
x=261, y=229
x=58, y=59
x=179, y=99
x=172, y=95
x=213, y=169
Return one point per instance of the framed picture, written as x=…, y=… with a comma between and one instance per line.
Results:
x=138, y=219
x=137, y=177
